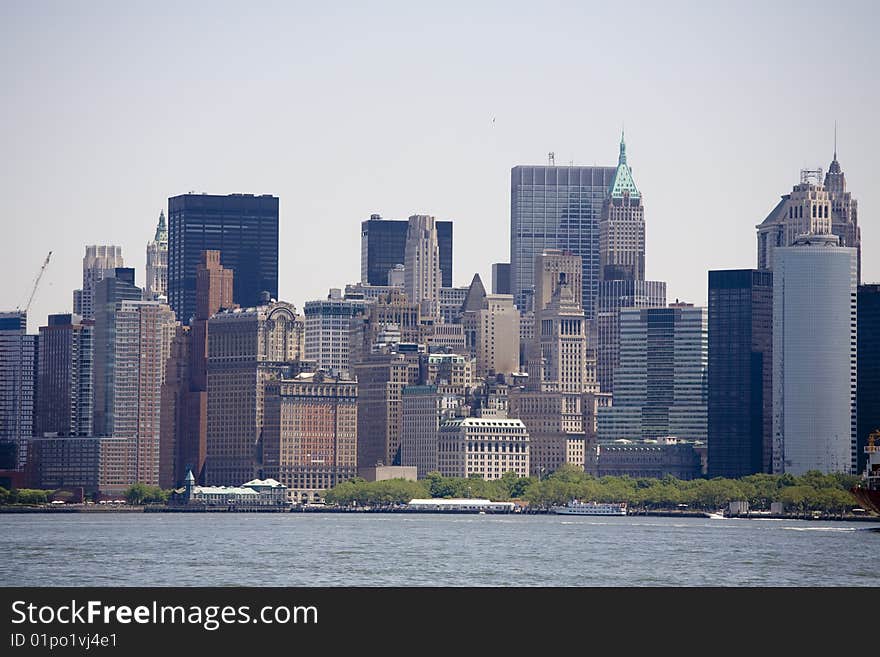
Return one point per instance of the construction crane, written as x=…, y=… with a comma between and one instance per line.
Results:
x=37, y=282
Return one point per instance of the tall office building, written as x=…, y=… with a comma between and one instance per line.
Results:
x=491, y=327
x=310, y=433
x=622, y=227
x=814, y=356
x=868, y=361
x=157, y=263
x=501, y=278
x=383, y=246
x=661, y=384
x=328, y=323
x=813, y=207
x=247, y=347
x=556, y=207
x=614, y=296
x=99, y=262
x=18, y=368
x=740, y=438
x=243, y=227
x=132, y=344
x=422, y=275
x=381, y=378
x=419, y=424
x=64, y=382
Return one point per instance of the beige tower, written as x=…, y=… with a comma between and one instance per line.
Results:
x=423, y=278
x=622, y=227
x=157, y=263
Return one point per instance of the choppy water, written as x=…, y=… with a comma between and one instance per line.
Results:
x=430, y=550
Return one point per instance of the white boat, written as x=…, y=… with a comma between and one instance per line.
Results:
x=576, y=508
x=718, y=515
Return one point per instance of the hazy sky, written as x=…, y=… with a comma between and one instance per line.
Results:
x=347, y=109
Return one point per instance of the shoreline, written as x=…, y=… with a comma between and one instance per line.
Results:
x=12, y=510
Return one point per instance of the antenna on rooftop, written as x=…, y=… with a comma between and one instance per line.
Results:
x=551, y=158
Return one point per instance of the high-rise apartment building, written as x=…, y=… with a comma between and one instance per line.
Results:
x=622, y=227
x=740, y=410
x=64, y=382
x=868, y=398
x=18, y=368
x=556, y=207
x=614, y=296
x=156, y=285
x=383, y=246
x=132, y=344
x=243, y=227
x=99, y=262
x=814, y=354
x=247, y=347
x=422, y=275
x=661, y=384
x=310, y=433
x=328, y=324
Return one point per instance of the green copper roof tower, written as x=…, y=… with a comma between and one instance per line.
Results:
x=623, y=181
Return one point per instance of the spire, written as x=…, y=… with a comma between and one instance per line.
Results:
x=835, y=140
x=623, y=181
x=161, y=229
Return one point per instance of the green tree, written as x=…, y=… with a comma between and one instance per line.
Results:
x=136, y=494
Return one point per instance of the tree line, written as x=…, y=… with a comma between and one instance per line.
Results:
x=812, y=491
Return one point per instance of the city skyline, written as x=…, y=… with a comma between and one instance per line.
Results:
x=107, y=121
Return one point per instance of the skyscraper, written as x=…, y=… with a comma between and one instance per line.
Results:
x=816, y=207
x=614, y=296
x=64, y=382
x=18, y=366
x=328, y=322
x=243, y=227
x=246, y=348
x=622, y=227
x=99, y=262
x=556, y=207
x=660, y=386
x=868, y=367
x=132, y=344
x=157, y=263
x=814, y=355
x=422, y=276
x=740, y=439
x=383, y=245
x=501, y=278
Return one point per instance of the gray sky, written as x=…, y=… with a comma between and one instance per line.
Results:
x=348, y=109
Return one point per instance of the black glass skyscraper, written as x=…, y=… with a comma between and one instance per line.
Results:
x=243, y=227
x=740, y=372
x=868, y=359
x=383, y=245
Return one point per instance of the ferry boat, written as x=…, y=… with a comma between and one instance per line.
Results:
x=868, y=492
x=576, y=508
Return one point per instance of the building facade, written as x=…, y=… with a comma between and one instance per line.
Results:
x=661, y=385
x=65, y=396
x=328, y=324
x=614, y=296
x=247, y=347
x=383, y=245
x=99, y=262
x=740, y=410
x=18, y=370
x=419, y=425
x=243, y=227
x=868, y=362
x=501, y=278
x=622, y=227
x=483, y=447
x=814, y=356
x=310, y=433
x=422, y=276
x=156, y=285
x=556, y=207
